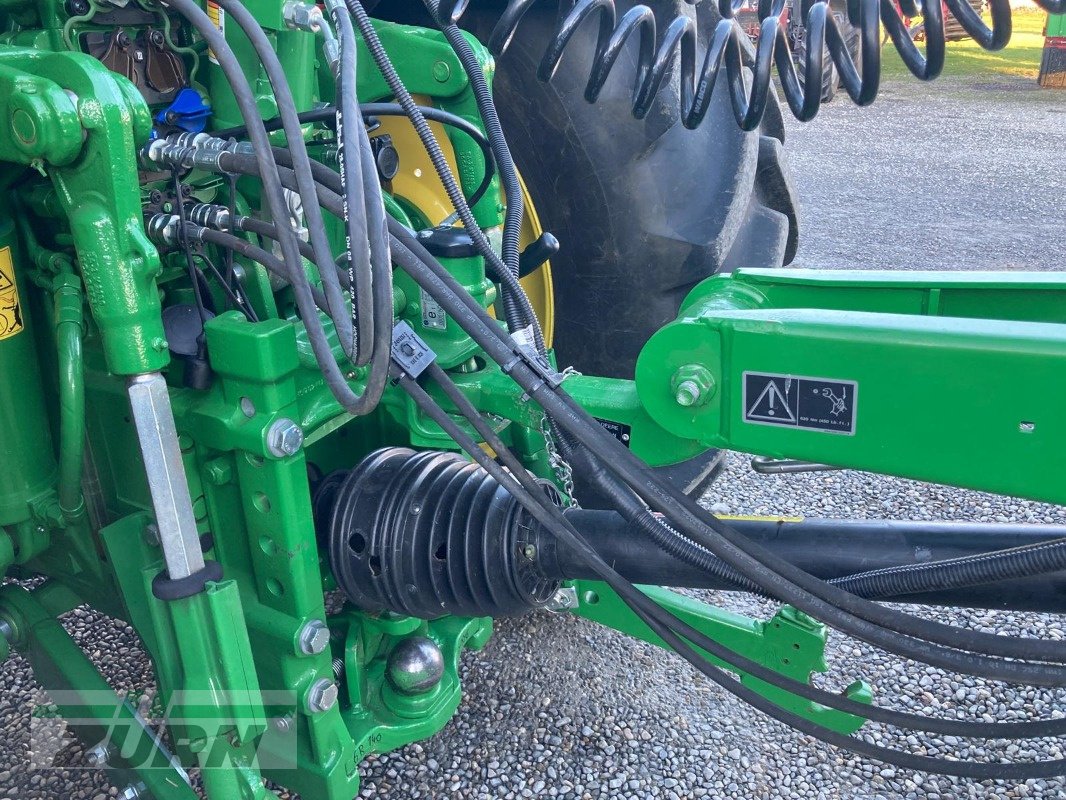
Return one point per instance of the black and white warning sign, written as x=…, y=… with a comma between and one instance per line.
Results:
x=820, y=404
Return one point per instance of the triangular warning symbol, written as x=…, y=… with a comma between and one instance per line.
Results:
x=5, y=282
x=771, y=404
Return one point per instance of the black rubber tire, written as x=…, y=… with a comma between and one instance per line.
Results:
x=644, y=209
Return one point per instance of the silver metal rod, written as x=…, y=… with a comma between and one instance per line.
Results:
x=778, y=466
x=158, y=438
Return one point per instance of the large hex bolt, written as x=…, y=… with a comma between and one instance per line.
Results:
x=322, y=696
x=415, y=665
x=314, y=637
x=693, y=385
x=284, y=438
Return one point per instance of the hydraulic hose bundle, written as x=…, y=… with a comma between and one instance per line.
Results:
x=674, y=521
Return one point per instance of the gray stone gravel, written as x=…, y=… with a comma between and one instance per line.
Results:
x=948, y=176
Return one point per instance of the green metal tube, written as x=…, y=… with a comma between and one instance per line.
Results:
x=27, y=465
x=68, y=327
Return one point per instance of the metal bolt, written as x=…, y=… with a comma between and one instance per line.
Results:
x=530, y=552
x=283, y=724
x=441, y=71
x=415, y=665
x=564, y=599
x=132, y=792
x=314, y=637
x=322, y=696
x=98, y=756
x=687, y=394
x=284, y=438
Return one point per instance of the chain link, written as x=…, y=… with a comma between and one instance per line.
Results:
x=564, y=473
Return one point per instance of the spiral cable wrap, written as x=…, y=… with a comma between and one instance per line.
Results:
x=657, y=55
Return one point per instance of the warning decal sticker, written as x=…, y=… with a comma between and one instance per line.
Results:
x=10, y=313
x=819, y=404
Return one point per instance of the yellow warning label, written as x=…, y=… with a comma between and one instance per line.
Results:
x=218, y=18
x=10, y=313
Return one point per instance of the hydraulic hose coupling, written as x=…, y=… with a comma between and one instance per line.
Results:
x=165, y=230
x=191, y=151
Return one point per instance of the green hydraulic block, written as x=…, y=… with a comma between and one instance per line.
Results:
x=867, y=371
x=790, y=643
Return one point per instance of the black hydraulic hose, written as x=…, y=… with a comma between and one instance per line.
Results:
x=357, y=341
x=440, y=164
x=263, y=228
x=512, y=226
x=436, y=280
x=703, y=558
x=953, y=573
x=562, y=528
x=663, y=624
x=227, y=241
x=350, y=168
x=266, y=169
x=974, y=570
x=327, y=114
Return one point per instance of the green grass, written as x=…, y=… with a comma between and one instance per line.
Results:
x=1019, y=59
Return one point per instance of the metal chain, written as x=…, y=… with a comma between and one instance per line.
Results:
x=564, y=473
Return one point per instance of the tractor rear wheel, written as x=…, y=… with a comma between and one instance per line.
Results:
x=644, y=209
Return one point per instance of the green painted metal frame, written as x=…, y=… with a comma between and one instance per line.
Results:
x=960, y=375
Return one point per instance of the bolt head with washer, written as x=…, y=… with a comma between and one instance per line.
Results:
x=314, y=637
x=322, y=696
x=284, y=438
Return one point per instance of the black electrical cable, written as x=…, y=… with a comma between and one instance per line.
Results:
x=458, y=295
x=1030, y=729
x=327, y=114
x=238, y=303
x=524, y=317
x=436, y=280
x=475, y=73
x=249, y=110
x=357, y=341
x=512, y=481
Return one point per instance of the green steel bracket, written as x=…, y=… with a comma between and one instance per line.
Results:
x=203, y=659
x=790, y=643
x=610, y=400
x=68, y=115
x=85, y=700
x=945, y=371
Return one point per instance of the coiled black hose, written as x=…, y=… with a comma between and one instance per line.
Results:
x=657, y=54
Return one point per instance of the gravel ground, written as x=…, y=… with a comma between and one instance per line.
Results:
x=950, y=176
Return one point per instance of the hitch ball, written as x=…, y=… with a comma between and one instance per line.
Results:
x=415, y=665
